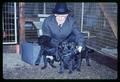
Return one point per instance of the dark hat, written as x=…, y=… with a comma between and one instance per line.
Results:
x=61, y=8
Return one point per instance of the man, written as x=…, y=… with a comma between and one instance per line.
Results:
x=62, y=26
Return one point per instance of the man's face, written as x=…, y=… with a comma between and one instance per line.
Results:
x=61, y=17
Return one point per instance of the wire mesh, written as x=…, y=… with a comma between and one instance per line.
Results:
x=98, y=25
x=9, y=23
x=94, y=21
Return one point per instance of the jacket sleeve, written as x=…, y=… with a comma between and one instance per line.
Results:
x=45, y=28
x=46, y=31
x=79, y=36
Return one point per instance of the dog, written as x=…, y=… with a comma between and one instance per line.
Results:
x=69, y=57
x=47, y=51
x=85, y=54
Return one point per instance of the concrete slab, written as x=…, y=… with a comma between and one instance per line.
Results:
x=15, y=68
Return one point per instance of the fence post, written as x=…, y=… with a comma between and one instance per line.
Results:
x=22, y=21
x=22, y=28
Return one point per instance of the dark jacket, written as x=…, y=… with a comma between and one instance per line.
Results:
x=68, y=31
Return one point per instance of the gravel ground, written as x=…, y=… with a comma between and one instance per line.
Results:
x=14, y=68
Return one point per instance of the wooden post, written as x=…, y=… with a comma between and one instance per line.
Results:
x=17, y=49
x=22, y=21
x=112, y=23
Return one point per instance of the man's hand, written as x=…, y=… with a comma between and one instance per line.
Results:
x=79, y=48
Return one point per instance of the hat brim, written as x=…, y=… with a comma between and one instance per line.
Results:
x=60, y=12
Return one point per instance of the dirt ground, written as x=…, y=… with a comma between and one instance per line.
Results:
x=15, y=68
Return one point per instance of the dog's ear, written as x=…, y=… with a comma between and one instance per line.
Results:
x=44, y=40
x=90, y=51
x=40, y=41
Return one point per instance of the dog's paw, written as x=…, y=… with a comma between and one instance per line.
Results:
x=36, y=64
x=60, y=72
x=70, y=72
x=53, y=66
x=88, y=65
x=78, y=70
x=43, y=67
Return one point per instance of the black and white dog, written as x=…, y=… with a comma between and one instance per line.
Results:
x=47, y=51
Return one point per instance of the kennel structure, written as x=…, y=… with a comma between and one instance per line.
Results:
x=9, y=23
x=98, y=21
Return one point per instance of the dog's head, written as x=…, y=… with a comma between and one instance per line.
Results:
x=67, y=48
x=44, y=40
x=48, y=46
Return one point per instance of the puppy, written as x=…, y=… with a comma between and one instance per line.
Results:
x=47, y=51
x=85, y=54
x=68, y=56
